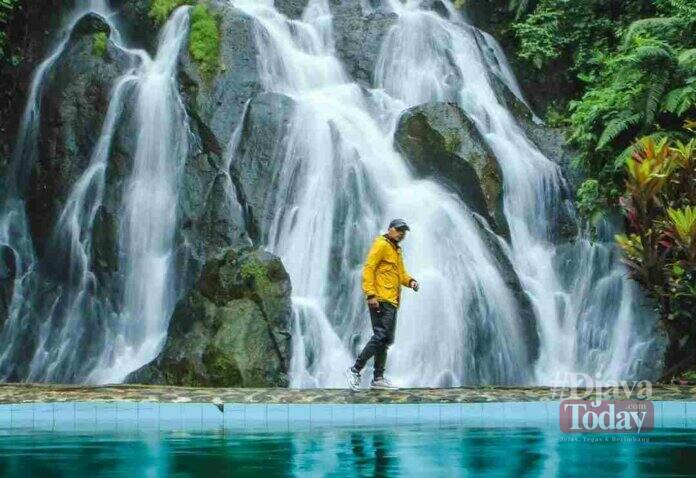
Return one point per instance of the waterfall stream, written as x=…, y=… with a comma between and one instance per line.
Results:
x=339, y=167
x=128, y=331
x=339, y=183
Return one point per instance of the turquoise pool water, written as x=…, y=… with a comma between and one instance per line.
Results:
x=493, y=439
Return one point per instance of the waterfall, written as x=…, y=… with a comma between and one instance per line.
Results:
x=588, y=315
x=84, y=335
x=340, y=181
x=338, y=184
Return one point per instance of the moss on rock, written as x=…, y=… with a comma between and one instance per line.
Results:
x=230, y=330
x=204, y=41
x=99, y=41
x=161, y=9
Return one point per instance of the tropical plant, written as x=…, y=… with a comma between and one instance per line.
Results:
x=660, y=247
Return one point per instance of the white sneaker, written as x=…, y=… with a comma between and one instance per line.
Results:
x=383, y=384
x=353, y=379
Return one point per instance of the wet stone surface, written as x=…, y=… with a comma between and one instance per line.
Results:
x=22, y=393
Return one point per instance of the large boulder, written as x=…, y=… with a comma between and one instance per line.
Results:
x=231, y=330
x=440, y=141
x=255, y=160
x=75, y=101
x=359, y=37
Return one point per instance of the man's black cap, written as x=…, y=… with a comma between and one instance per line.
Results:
x=399, y=224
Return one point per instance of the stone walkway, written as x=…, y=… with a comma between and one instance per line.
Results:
x=21, y=393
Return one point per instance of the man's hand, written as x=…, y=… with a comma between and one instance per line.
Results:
x=413, y=284
x=373, y=303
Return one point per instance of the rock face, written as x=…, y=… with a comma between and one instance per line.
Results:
x=551, y=142
x=231, y=330
x=256, y=160
x=73, y=109
x=7, y=277
x=525, y=308
x=359, y=37
x=440, y=141
x=220, y=102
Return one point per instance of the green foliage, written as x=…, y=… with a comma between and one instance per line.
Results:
x=660, y=205
x=161, y=9
x=7, y=8
x=204, y=42
x=588, y=197
x=99, y=41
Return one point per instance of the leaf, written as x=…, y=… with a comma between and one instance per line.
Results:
x=616, y=127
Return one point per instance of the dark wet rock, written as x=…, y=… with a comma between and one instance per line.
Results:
x=440, y=141
x=359, y=37
x=8, y=273
x=291, y=8
x=256, y=160
x=74, y=105
x=231, y=330
x=525, y=308
x=552, y=144
x=212, y=208
x=137, y=26
x=220, y=101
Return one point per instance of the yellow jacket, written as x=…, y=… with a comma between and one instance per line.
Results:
x=384, y=272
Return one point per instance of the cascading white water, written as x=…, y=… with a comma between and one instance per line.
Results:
x=339, y=167
x=149, y=219
x=339, y=183
x=130, y=329
x=428, y=58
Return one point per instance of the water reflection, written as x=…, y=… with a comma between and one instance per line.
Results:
x=348, y=452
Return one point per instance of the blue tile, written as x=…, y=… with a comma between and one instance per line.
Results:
x=450, y=412
x=365, y=413
x=126, y=412
x=670, y=414
x=321, y=413
x=536, y=413
x=493, y=414
x=298, y=412
x=234, y=413
x=170, y=412
x=515, y=413
x=278, y=412
x=472, y=414
x=407, y=413
x=429, y=413
x=553, y=407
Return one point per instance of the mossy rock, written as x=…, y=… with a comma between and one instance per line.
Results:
x=439, y=141
x=232, y=330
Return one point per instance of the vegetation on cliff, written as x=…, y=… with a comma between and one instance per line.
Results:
x=204, y=42
x=204, y=39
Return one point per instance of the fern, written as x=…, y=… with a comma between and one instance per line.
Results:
x=616, y=127
x=655, y=92
x=519, y=7
x=681, y=100
x=654, y=27
x=687, y=60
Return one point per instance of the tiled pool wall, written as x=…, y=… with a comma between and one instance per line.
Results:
x=127, y=416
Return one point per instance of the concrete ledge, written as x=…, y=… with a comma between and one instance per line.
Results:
x=45, y=393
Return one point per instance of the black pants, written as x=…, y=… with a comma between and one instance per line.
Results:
x=383, y=326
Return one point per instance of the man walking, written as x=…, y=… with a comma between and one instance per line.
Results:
x=383, y=275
